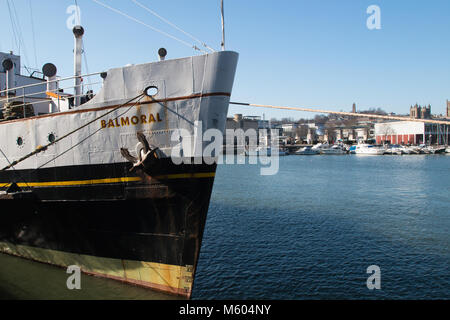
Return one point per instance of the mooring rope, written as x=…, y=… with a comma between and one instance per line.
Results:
x=353, y=114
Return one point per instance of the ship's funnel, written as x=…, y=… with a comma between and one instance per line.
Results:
x=8, y=65
x=78, y=32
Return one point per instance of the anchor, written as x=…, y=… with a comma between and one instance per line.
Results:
x=147, y=158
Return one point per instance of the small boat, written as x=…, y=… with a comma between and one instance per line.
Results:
x=394, y=149
x=434, y=150
x=264, y=151
x=447, y=150
x=439, y=150
x=366, y=149
x=335, y=149
x=424, y=149
x=307, y=151
x=413, y=150
x=320, y=146
x=406, y=150
x=258, y=151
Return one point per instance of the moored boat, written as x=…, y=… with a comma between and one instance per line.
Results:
x=71, y=192
x=394, y=150
x=335, y=149
x=366, y=149
x=308, y=151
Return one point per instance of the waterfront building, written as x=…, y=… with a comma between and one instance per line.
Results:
x=311, y=136
x=289, y=128
x=411, y=132
x=350, y=134
x=241, y=122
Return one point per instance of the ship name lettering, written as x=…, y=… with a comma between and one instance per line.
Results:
x=134, y=120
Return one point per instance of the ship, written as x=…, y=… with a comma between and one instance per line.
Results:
x=87, y=178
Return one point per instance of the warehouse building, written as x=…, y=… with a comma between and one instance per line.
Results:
x=411, y=132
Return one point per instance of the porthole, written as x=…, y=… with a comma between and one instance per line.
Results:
x=19, y=141
x=51, y=137
x=151, y=91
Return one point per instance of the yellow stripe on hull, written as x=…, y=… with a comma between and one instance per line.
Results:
x=78, y=182
x=110, y=180
x=163, y=277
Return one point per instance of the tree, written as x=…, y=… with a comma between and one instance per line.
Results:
x=378, y=111
x=321, y=119
x=287, y=120
x=301, y=132
x=330, y=128
x=386, y=130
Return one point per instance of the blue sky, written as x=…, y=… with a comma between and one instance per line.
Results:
x=316, y=53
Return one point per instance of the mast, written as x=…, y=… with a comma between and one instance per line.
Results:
x=78, y=32
x=223, y=25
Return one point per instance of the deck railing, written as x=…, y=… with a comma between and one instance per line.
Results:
x=54, y=95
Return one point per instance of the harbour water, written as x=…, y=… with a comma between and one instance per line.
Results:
x=308, y=232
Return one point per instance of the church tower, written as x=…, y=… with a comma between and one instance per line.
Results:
x=448, y=109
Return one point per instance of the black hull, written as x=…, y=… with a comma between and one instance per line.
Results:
x=107, y=213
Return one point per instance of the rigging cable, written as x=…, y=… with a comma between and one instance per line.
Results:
x=15, y=21
x=89, y=85
x=34, y=36
x=13, y=27
x=173, y=25
x=148, y=26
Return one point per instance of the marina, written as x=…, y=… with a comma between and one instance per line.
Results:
x=341, y=149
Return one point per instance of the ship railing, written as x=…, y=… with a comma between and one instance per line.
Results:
x=56, y=95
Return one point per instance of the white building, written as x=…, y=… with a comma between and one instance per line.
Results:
x=411, y=132
x=289, y=127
